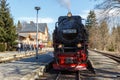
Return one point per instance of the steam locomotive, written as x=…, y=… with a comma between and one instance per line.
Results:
x=70, y=39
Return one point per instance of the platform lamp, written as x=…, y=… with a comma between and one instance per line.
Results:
x=37, y=9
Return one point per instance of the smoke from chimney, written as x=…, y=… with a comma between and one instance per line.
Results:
x=65, y=3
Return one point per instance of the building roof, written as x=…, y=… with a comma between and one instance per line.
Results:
x=23, y=34
x=26, y=35
x=31, y=27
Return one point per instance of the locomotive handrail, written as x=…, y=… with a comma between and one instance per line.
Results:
x=61, y=20
x=56, y=24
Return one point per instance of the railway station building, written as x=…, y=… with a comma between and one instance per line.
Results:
x=27, y=34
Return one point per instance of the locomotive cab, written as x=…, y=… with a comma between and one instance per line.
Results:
x=70, y=43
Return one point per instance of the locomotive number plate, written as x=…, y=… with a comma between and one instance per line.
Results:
x=69, y=31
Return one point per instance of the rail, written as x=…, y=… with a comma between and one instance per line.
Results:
x=112, y=56
x=58, y=76
x=78, y=75
x=61, y=76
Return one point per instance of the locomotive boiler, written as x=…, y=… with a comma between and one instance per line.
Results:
x=70, y=39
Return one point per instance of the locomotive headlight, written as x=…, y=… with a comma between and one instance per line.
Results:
x=79, y=45
x=69, y=14
x=60, y=46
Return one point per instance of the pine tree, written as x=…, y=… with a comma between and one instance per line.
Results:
x=19, y=27
x=2, y=35
x=7, y=26
x=91, y=20
x=91, y=24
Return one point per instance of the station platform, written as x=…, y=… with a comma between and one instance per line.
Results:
x=25, y=68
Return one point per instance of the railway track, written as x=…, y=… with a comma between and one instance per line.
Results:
x=58, y=76
x=105, y=69
x=114, y=57
x=52, y=74
x=68, y=76
x=78, y=75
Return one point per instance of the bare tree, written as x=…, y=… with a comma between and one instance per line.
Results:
x=104, y=35
x=118, y=38
x=112, y=40
x=109, y=9
x=109, y=12
x=108, y=5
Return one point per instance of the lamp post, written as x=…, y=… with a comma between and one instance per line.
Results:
x=37, y=9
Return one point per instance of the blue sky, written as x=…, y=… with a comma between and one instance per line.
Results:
x=23, y=10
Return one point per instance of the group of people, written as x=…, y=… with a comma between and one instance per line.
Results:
x=28, y=47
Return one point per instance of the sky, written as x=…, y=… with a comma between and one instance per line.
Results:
x=23, y=10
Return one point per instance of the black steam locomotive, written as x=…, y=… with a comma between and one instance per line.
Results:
x=70, y=39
